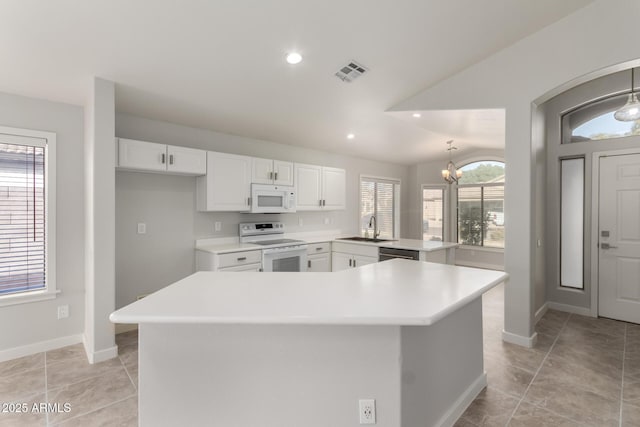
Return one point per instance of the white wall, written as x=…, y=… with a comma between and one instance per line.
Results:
x=531, y=71
x=146, y=263
x=36, y=322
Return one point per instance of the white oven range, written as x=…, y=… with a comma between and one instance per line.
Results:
x=281, y=254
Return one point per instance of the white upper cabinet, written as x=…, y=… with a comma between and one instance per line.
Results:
x=267, y=171
x=152, y=157
x=227, y=185
x=334, y=188
x=141, y=155
x=320, y=188
x=308, y=187
x=186, y=160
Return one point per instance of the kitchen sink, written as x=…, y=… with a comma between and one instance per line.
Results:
x=364, y=239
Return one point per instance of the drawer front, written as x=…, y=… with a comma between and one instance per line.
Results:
x=239, y=258
x=248, y=267
x=355, y=249
x=318, y=248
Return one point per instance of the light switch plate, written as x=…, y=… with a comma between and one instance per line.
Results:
x=142, y=228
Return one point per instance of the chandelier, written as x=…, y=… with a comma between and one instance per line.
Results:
x=630, y=112
x=451, y=174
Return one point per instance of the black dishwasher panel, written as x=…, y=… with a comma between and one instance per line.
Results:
x=391, y=253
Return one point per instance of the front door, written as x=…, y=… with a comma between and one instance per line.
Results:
x=619, y=237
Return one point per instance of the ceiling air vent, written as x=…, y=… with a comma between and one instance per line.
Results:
x=351, y=71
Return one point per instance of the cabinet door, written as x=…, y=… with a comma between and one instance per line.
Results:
x=321, y=262
x=340, y=261
x=188, y=161
x=248, y=267
x=334, y=183
x=360, y=260
x=227, y=185
x=308, y=182
x=283, y=172
x=261, y=171
x=141, y=155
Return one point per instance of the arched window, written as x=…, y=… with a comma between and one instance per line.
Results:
x=595, y=121
x=480, y=209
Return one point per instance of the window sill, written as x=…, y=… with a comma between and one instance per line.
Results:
x=481, y=249
x=25, y=298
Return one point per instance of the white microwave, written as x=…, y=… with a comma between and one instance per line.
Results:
x=272, y=198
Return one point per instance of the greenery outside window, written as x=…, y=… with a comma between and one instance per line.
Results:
x=480, y=205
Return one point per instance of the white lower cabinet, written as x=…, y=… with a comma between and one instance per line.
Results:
x=233, y=261
x=319, y=257
x=248, y=267
x=345, y=255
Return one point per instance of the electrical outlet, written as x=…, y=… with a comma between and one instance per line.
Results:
x=217, y=226
x=63, y=311
x=367, y=411
x=142, y=228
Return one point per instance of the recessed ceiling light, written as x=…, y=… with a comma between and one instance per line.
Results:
x=294, y=58
x=350, y=136
x=417, y=115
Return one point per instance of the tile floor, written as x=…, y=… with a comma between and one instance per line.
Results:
x=103, y=394
x=582, y=372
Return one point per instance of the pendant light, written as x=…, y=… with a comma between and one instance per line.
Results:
x=631, y=110
x=451, y=174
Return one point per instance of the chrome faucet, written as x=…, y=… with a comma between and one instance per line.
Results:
x=374, y=221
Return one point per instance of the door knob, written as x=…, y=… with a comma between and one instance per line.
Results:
x=607, y=246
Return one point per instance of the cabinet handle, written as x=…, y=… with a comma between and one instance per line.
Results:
x=320, y=202
x=309, y=263
x=270, y=175
x=354, y=262
x=350, y=261
x=163, y=158
x=324, y=202
x=276, y=176
x=170, y=159
x=249, y=201
x=244, y=258
x=319, y=249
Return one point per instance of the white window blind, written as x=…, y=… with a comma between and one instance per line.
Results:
x=22, y=218
x=378, y=198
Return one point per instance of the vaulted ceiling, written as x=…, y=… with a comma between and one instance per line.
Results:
x=220, y=64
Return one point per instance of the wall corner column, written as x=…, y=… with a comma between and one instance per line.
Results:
x=99, y=335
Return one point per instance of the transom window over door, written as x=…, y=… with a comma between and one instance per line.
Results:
x=480, y=204
x=25, y=186
x=380, y=197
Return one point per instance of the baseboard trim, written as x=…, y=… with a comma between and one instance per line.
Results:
x=38, y=347
x=520, y=340
x=100, y=355
x=462, y=403
x=125, y=327
x=570, y=309
x=541, y=312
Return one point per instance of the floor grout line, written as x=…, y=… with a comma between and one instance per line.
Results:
x=546, y=356
x=95, y=410
x=624, y=356
x=46, y=389
x=126, y=370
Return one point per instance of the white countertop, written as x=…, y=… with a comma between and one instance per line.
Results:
x=222, y=246
x=395, y=292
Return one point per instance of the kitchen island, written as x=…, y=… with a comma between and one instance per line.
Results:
x=292, y=349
